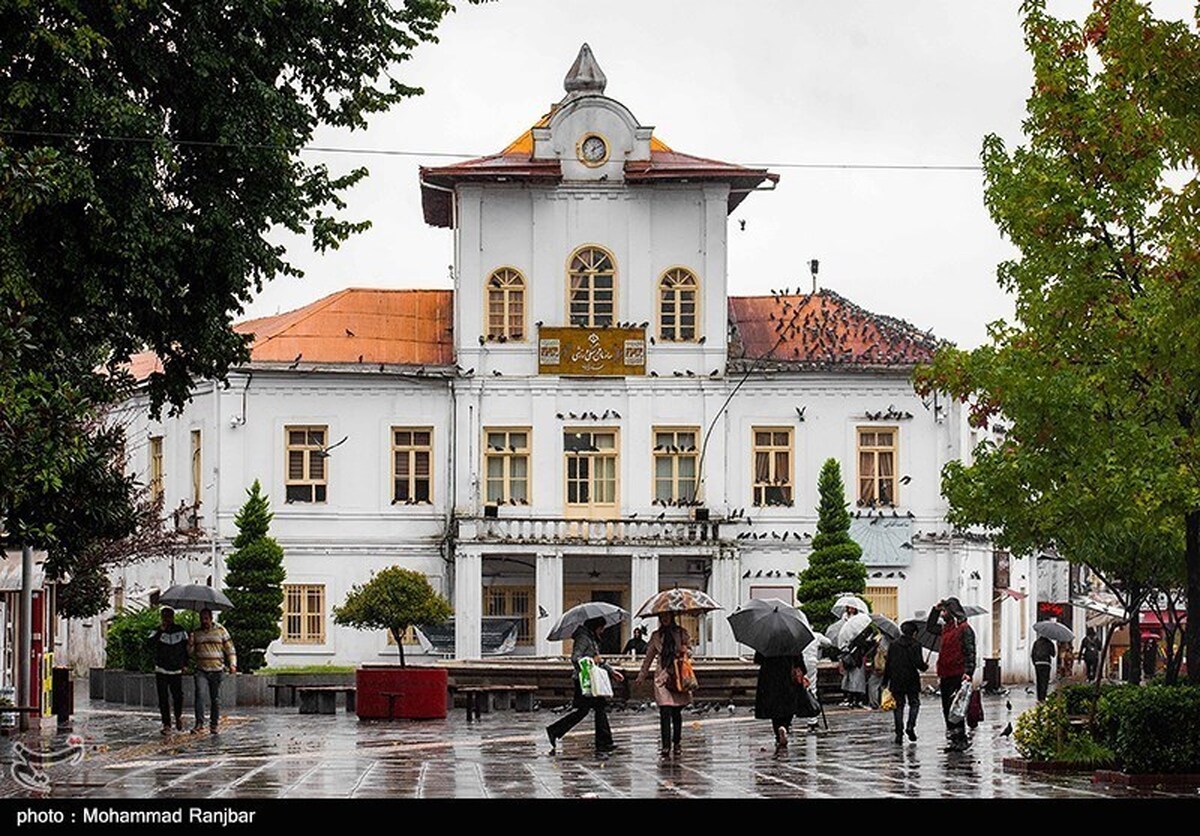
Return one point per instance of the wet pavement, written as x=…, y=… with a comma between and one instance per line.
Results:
x=277, y=753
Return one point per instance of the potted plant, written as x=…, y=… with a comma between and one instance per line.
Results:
x=393, y=600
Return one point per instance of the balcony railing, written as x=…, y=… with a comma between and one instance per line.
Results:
x=582, y=531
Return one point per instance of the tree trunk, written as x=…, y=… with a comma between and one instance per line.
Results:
x=1192, y=630
x=1135, y=642
x=399, y=637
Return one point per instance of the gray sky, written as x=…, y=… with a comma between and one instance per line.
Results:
x=753, y=82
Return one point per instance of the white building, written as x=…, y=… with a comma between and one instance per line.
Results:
x=588, y=415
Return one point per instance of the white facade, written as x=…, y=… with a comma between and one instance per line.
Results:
x=544, y=555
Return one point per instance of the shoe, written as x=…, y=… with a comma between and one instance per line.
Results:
x=664, y=752
x=178, y=724
x=553, y=739
x=213, y=730
x=196, y=729
x=676, y=749
x=899, y=738
x=605, y=750
x=165, y=730
x=912, y=734
x=781, y=736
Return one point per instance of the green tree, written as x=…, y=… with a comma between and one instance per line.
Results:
x=1098, y=380
x=148, y=152
x=393, y=600
x=253, y=580
x=835, y=566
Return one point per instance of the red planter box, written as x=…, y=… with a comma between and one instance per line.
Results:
x=422, y=693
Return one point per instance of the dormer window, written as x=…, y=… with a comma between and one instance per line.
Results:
x=677, y=295
x=506, y=305
x=591, y=288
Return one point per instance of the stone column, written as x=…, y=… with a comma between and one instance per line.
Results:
x=468, y=605
x=643, y=582
x=725, y=586
x=549, y=598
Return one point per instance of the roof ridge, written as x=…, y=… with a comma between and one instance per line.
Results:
x=313, y=308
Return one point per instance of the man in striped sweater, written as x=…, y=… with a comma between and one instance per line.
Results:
x=210, y=647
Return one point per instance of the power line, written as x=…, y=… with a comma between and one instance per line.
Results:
x=396, y=152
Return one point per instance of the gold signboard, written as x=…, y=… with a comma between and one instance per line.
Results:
x=592, y=352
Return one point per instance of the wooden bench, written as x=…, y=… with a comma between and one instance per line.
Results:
x=322, y=699
x=482, y=699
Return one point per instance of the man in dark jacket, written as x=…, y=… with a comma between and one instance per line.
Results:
x=902, y=675
x=955, y=663
x=1041, y=654
x=1090, y=648
x=170, y=643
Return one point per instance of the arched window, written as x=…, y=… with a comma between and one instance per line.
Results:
x=677, y=291
x=506, y=305
x=592, y=287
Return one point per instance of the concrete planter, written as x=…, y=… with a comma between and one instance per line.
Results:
x=252, y=690
x=95, y=683
x=114, y=686
x=422, y=692
x=1022, y=766
x=1125, y=779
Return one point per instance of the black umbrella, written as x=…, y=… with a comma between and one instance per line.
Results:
x=195, y=596
x=771, y=627
x=577, y=615
x=926, y=639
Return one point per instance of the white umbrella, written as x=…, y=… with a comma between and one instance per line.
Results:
x=852, y=628
x=848, y=600
x=1054, y=631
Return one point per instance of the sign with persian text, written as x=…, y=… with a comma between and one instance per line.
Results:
x=592, y=352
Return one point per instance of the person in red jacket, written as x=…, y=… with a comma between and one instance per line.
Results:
x=956, y=660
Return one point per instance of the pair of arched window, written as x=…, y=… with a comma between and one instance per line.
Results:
x=591, y=298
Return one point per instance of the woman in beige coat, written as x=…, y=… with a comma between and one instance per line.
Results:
x=668, y=643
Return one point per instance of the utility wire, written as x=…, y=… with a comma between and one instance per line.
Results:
x=395, y=152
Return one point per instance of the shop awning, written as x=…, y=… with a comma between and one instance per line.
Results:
x=1114, y=612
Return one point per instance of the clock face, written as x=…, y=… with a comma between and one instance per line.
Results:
x=593, y=150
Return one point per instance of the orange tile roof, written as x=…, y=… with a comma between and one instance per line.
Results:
x=516, y=163
x=356, y=325
x=821, y=330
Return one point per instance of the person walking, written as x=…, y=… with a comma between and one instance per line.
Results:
x=1041, y=654
x=668, y=644
x=211, y=647
x=777, y=692
x=902, y=675
x=854, y=675
x=1089, y=648
x=170, y=643
x=955, y=663
x=585, y=644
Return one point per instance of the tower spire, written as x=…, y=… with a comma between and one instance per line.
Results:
x=585, y=75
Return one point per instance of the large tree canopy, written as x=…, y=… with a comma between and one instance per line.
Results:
x=147, y=150
x=1098, y=381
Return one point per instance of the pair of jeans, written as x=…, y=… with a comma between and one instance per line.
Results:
x=209, y=681
x=949, y=687
x=914, y=706
x=583, y=705
x=1090, y=664
x=170, y=693
x=670, y=721
x=1043, y=680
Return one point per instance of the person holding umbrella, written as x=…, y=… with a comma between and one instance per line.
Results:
x=1043, y=651
x=210, y=646
x=668, y=644
x=586, y=645
x=170, y=643
x=956, y=660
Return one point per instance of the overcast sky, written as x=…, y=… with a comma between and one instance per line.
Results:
x=755, y=82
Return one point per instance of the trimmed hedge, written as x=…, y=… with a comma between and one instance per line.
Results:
x=1152, y=728
x=127, y=645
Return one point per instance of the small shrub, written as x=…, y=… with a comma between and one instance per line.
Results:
x=1079, y=696
x=127, y=645
x=1083, y=749
x=1041, y=730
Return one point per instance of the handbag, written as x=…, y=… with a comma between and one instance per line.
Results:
x=807, y=704
x=974, y=710
x=601, y=684
x=958, y=706
x=685, y=676
x=887, y=702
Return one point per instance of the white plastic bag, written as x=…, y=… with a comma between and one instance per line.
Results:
x=958, y=706
x=601, y=685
